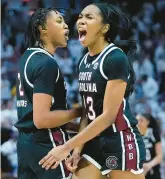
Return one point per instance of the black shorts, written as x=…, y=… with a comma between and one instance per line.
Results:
x=122, y=150
x=32, y=147
x=154, y=173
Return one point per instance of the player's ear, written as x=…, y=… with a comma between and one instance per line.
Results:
x=106, y=28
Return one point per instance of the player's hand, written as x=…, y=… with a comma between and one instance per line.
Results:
x=72, y=161
x=147, y=167
x=79, y=111
x=54, y=157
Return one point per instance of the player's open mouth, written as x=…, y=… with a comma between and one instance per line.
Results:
x=66, y=35
x=82, y=35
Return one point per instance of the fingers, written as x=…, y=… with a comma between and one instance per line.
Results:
x=69, y=162
x=75, y=161
x=48, y=161
x=55, y=165
x=72, y=163
x=44, y=159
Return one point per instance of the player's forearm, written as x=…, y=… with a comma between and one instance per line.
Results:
x=156, y=160
x=91, y=131
x=83, y=124
x=52, y=119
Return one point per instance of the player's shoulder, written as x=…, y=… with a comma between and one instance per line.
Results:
x=40, y=57
x=117, y=55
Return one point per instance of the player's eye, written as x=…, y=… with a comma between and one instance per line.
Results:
x=59, y=21
x=89, y=17
x=79, y=17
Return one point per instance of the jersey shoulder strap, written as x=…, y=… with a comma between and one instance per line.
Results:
x=103, y=59
x=35, y=50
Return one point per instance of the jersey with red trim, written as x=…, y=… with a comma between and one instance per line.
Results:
x=94, y=73
x=38, y=73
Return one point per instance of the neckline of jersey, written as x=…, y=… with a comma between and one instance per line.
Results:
x=40, y=48
x=97, y=56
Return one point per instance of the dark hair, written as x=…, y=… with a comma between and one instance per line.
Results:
x=152, y=121
x=32, y=33
x=117, y=20
x=113, y=16
x=129, y=47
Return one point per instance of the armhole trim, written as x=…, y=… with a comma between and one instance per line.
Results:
x=25, y=74
x=83, y=59
x=102, y=61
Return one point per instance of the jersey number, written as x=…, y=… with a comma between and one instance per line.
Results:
x=20, y=86
x=89, y=102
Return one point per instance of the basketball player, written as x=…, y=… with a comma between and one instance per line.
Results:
x=113, y=144
x=151, y=136
x=41, y=96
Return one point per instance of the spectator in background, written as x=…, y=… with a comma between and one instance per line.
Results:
x=150, y=91
x=151, y=136
x=65, y=62
x=9, y=149
x=7, y=50
x=150, y=87
x=5, y=88
x=160, y=49
x=143, y=65
x=8, y=115
x=75, y=46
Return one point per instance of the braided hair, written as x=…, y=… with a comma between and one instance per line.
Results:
x=117, y=20
x=32, y=33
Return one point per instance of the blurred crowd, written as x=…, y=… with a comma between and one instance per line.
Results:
x=148, y=28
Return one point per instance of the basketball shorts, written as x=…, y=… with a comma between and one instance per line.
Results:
x=122, y=150
x=32, y=147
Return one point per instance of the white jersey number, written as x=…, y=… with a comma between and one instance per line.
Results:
x=20, y=86
x=91, y=113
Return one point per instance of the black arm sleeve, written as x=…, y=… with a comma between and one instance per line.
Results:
x=45, y=75
x=116, y=66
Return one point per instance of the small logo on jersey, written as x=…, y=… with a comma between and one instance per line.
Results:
x=87, y=66
x=95, y=65
x=111, y=162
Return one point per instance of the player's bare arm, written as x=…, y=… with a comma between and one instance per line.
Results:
x=115, y=91
x=72, y=161
x=44, y=118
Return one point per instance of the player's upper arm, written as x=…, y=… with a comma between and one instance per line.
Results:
x=44, y=79
x=114, y=94
x=116, y=69
x=116, y=66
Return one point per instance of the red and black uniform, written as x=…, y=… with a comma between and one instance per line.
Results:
x=38, y=73
x=120, y=146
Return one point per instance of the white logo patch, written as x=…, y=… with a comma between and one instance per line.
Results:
x=111, y=162
x=95, y=65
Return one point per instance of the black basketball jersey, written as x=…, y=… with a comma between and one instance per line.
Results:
x=150, y=139
x=94, y=72
x=38, y=73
